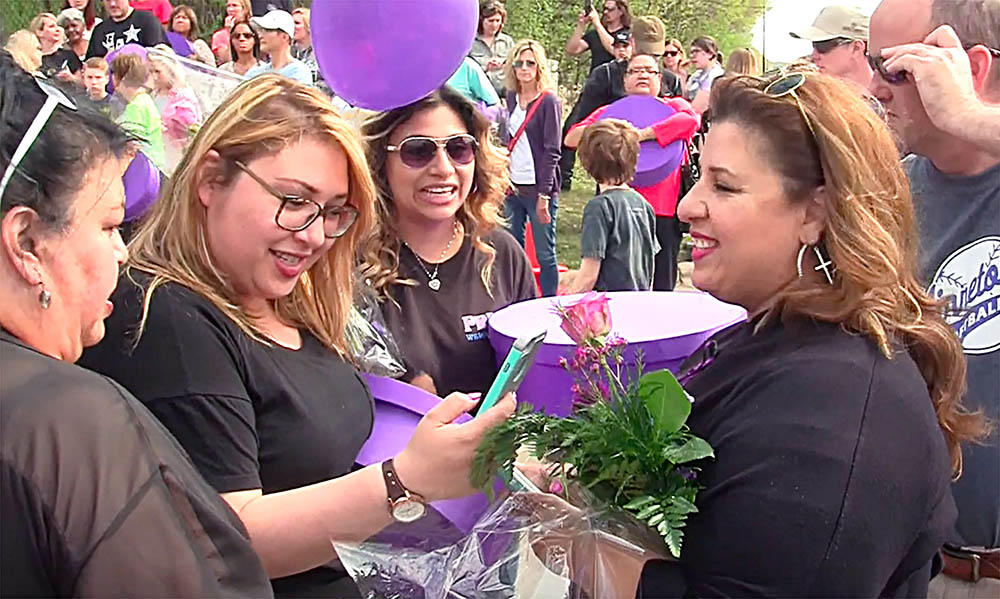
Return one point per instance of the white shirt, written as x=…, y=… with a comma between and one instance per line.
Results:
x=522, y=164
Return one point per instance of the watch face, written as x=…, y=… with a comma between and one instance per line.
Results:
x=408, y=510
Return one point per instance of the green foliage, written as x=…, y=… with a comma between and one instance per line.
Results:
x=624, y=454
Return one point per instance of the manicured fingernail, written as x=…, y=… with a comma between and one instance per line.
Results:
x=475, y=396
x=556, y=487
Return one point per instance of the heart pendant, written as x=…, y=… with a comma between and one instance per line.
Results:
x=434, y=284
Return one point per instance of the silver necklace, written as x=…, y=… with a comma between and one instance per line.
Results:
x=432, y=277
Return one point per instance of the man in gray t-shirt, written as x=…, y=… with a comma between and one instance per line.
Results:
x=941, y=91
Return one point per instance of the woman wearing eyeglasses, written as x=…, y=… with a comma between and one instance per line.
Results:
x=230, y=328
x=244, y=47
x=96, y=498
x=835, y=411
x=533, y=133
x=707, y=59
x=440, y=257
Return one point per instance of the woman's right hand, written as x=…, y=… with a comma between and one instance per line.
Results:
x=436, y=462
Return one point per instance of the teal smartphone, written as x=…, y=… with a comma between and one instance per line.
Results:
x=513, y=369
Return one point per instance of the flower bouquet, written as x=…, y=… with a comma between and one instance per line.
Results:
x=627, y=443
x=623, y=484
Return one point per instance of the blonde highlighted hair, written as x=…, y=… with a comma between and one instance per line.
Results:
x=870, y=234
x=261, y=118
x=543, y=74
x=479, y=214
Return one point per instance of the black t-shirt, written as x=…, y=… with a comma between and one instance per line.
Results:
x=62, y=58
x=619, y=229
x=444, y=333
x=98, y=500
x=251, y=416
x=260, y=8
x=141, y=27
x=831, y=476
x=598, y=53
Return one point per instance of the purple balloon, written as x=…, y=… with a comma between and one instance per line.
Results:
x=142, y=186
x=126, y=49
x=656, y=162
x=382, y=54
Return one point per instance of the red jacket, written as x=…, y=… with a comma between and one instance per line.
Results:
x=682, y=124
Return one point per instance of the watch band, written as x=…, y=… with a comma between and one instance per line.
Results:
x=393, y=487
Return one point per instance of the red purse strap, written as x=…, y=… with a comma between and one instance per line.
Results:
x=527, y=118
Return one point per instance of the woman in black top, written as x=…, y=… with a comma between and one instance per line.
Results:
x=231, y=330
x=439, y=257
x=835, y=411
x=96, y=498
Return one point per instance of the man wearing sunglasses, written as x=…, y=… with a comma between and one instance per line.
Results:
x=839, y=38
x=940, y=85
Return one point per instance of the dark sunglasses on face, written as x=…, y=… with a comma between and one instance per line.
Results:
x=877, y=63
x=243, y=36
x=671, y=53
x=530, y=64
x=297, y=213
x=828, y=45
x=419, y=151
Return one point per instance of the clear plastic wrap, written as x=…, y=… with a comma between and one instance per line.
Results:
x=528, y=545
x=372, y=346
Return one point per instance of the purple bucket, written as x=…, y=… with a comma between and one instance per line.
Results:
x=656, y=162
x=398, y=408
x=667, y=326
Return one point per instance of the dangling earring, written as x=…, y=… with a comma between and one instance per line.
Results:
x=44, y=297
x=824, y=264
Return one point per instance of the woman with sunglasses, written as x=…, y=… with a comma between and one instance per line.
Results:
x=533, y=134
x=244, y=47
x=96, y=499
x=707, y=59
x=230, y=329
x=674, y=59
x=440, y=257
x=835, y=411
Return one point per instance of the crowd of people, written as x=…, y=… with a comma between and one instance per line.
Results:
x=181, y=416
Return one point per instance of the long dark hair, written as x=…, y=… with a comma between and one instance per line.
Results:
x=480, y=213
x=232, y=45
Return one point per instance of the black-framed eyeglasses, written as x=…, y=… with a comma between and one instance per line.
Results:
x=827, y=46
x=642, y=71
x=530, y=64
x=54, y=98
x=297, y=213
x=418, y=151
x=877, y=63
x=786, y=85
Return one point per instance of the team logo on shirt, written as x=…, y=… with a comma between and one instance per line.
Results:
x=476, y=326
x=970, y=279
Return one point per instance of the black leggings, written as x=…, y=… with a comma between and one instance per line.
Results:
x=668, y=234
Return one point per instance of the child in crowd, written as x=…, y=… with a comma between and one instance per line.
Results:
x=618, y=241
x=129, y=73
x=95, y=80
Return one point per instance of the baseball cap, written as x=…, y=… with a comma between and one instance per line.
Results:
x=649, y=36
x=69, y=14
x=622, y=36
x=275, y=20
x=833, y=22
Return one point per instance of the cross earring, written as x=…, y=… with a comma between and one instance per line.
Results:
x=825, y=265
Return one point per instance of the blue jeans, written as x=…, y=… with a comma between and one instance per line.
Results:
x=520, y=207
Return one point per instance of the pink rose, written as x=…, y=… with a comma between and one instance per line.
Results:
x=587, y=320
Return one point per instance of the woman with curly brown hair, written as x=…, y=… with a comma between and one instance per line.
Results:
x=440, y=256
x=835, y=411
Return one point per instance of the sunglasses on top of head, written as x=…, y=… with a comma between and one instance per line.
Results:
x=419, y=151
x=877, y=63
